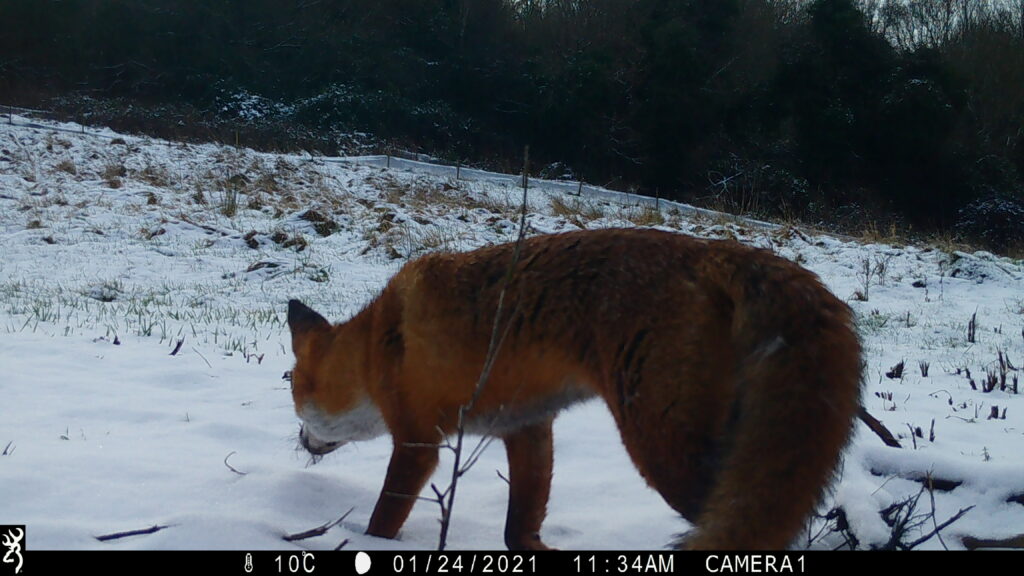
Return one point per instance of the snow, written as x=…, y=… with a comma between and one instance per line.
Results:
x=115, y=248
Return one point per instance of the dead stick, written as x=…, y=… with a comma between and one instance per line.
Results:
x=230, y=467
x=978, y=543
x=926, y=537
x=878, y=428
x=318, y=531
x=152, y=529
x=931, y=496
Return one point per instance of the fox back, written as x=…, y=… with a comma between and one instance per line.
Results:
x=733, y=374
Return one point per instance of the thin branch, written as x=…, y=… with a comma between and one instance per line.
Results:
x=926, y=537
x=230, y=467
x=931, y=496
x=878, y=428
x=1016, y=542
x=498, y=335
x=477, y=452
x=318, y=531
x=203, y=357
x=438, y=492
x=151, y=530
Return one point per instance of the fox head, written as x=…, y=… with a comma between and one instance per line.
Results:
x=330, y=397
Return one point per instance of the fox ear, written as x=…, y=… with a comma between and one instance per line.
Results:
x=302, y=318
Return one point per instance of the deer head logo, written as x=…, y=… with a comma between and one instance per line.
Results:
x=13, y=544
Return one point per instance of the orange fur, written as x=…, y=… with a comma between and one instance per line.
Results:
x=733, y=374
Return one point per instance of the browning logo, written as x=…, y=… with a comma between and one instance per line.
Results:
x=13, y=538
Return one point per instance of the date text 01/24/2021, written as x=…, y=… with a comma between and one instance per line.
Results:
x=594, y=563
x=608, y=563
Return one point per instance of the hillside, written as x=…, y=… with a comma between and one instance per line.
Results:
x=116, y=251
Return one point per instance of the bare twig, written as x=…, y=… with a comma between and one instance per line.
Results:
x=928, y=536
x=151, y=530
x=972, y=543
x=477, y=452
x=446, y=498
x=931, y=496
x=878, y=428
x=203, y=357
x=230, y=467
x=901, y=519
x=319, y=530
x=913, y=435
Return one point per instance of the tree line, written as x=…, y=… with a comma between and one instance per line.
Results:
x=830, y=111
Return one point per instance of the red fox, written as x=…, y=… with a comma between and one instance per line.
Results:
x=733, y=374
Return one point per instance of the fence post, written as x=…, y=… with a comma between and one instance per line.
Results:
x=526, y=167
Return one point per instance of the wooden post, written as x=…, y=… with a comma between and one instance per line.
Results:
x=526, y=167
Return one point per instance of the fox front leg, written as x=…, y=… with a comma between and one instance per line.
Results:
x=530, y=458
x=408, y=471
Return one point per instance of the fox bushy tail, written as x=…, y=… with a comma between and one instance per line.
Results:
x=798, y=384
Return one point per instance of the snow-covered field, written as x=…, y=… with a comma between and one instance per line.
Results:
x=116, y=249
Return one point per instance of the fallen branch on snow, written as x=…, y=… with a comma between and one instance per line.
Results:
x=151, y=530
x=878, y=428
x=318, y=531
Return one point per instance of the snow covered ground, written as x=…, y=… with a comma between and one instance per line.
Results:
x=114, y=249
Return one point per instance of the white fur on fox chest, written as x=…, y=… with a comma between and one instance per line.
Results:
x=512, y=417
x=364, y=422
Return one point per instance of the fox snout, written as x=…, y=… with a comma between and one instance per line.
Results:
x=314, y=445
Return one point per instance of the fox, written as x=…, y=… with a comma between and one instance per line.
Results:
x=732, y=374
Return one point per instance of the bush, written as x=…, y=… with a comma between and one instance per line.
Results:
x=759, y=188
x=997, y=221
